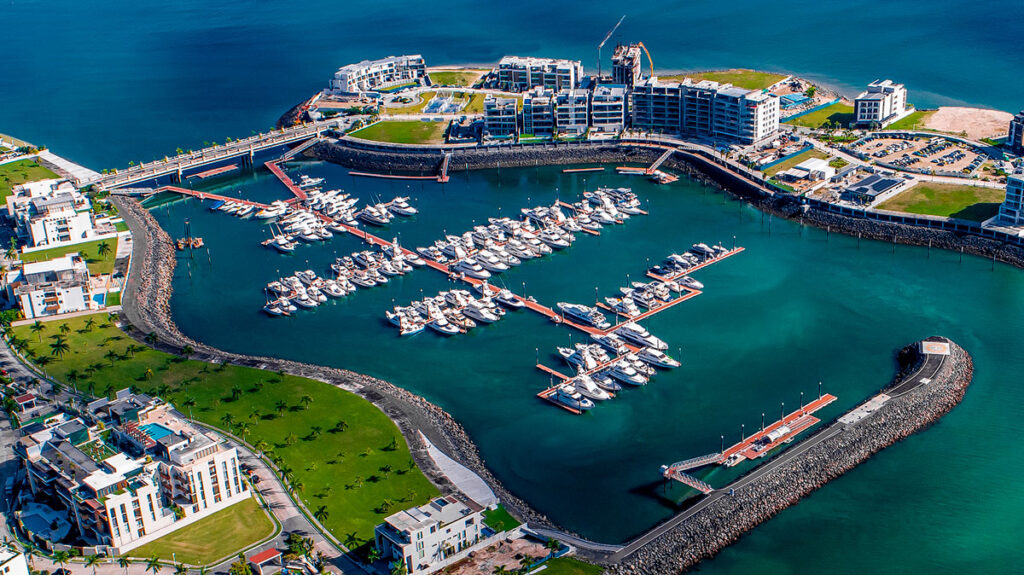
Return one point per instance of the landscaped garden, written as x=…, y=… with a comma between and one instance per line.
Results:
x=973, y=203
x=99, y=254
x=403, y=132
x=837, y=115
x=749, y=79
x=341, y=455
x=20, y=172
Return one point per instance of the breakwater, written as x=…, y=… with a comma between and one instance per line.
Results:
x=146, y=309
x=804, y=467
x=392, y=158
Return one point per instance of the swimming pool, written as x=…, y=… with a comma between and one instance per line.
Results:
x=155, y=431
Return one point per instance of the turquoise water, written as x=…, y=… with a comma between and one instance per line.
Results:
x=155, y=431
x=794, y=308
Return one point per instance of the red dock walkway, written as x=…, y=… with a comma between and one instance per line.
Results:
x=688, y=271
x=292, y=187
x=797, y=422
x=578, y=170
x=214, y=172
x=208, y=196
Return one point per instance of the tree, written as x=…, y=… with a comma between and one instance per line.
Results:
x=552, y=545
x=227, y=419
x=64, y=328
x=112, y=356
x=306, y=400
x=260, y=446
x=153, y=564
x=236, y=392
x=151, y=338
x=124, y=562
x=386, y=470
x=524, y=563
x=180, y=569
x=281, y=407
x=148, y=373
x=398, y=568
x=61, y=557
x=321, y=514
x=243, y=430
x=351, y=540
x=342, y=425
x=374, y=554
x=240, y=567
x=315, y=431
x=290, y=439
x=38, y=328
x=133, y=349
x=103, y=249
x=92, y=561
x=187, y=350
x=189, y=402
x=44, y=361
x=386, y=505
x=89, y=324
x=59, y=347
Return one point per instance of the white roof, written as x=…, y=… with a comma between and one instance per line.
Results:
x=62, y=263
x=812, y=165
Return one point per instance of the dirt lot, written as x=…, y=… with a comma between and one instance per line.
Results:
x=976, y=122
x=505, y=554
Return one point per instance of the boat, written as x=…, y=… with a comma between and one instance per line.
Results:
x=308, y=182
x=400, y=206
x=690, y=282
x=441, y=325
x=589, y=388
x=273, y=309
x=657, y=358
x=586, y=314
x=624, y=305
x=567, y=395
x=471, y=268
x=303, y=300
x=477, y=312
x=636, y=333
x=578, y=358
x=625, y=373
x=612, y=343
x=216, y=205
x=374, y=215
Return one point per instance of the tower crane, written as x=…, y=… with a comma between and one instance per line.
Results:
x=606, y=37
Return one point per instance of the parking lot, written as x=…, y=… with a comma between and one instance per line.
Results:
x=935, y=154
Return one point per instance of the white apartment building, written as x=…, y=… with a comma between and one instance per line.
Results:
x=51, y=213
x=1011, y=211
x=371, y=75
x=705, y=109
x=571, y=111
x=626, y=65
x=881, y=104
x=1016, y=139
x=519, y=74
x=12, y=561
x=501, y=116
x=539, y=112
x=153, y=474
x=608, y=108
x=53, y=287
x=426, y=537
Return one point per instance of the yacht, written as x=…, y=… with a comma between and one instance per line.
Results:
x=636, y=334
x=332, y=289
x=282, y=244
x=625, y=373
x=400, y=206
x=586, y=314
x=274, y=309
x=308, y=182
x=589, y=388
x=703, y=251
x=303, y=300
x=624, y=305
x=478, y=312
x=503, y=296
x=567, y=395
x=606, y=382
x=471, y=268
x=690, y=282
x=578, y=358
x=657, y=358
x=612, y=343
x=490, y=262
x=374, y=215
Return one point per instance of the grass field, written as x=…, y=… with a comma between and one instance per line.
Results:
x=476, y=103
x=416, y=108
x=97, y=264
x=16, y=173
x=782, y=166
x=836, y=113
x=212, y=538
x=570, y=566
x=915, y=121
x=500, y=520
x=455, y=77
x=404, y=132
x=749, y=79
x=949, y=200
x=344, y=453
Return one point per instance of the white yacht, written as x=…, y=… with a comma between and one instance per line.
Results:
x=567, y=395
x=657, y=358
x=308, y=182
x=400, y=206
x=471, y=268
x=586, y=314
x=636, y=333
x=588, y=388
x=625, y=373
x=612, y=343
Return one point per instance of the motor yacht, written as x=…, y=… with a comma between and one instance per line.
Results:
x=400, y=206
x=471, y=268
x=586, y=314
x=635, y=333
x=612, y=343
x=567, y=395
x=657, y=358
x=625, y=373
x=589, y=388
x=308, y=182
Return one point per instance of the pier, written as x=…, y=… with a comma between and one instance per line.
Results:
x=208, y=196
x=214, y=172
x=661, y=160
x=275, y=169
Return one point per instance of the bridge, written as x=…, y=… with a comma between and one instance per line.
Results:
x=661, y=160
x=244, y=149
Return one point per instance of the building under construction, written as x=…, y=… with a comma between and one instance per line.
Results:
x=626, y=65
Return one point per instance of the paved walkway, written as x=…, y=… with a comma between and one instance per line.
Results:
x=465, y=480
x=75, y=171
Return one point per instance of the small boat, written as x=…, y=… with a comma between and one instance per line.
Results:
x=308, y=182
x=217, y=205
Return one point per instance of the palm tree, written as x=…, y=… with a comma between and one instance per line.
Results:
x=281, y=407
x=189, y=402
x=12, y=249
x=103, y=249
x=151, y=338
x=187, y=351
x=64, y=329
x=386, y=470
x=243, y=430
x=30, y=551
x=89, y=324
x=92, y=561
x=61, y=557
x=59, y=348
x=552, y=545
x=108, y=389
x=180, y=569
x=306, y=400
x=133, y=349
x=124, y=562
x=153, y=564
x=351, y=540
x=315, y=431
x=525, y=562
x=43, y=362
x=321, y=514
x=290, y=439
x=501, y=570
x=236, y=392
x=342, y=425
x=260, y=446
x=398, y=568
x=227, y=419
x=148, y=374
x=112, y=356
x=73, y=376
x=255, y=415
x=38, y=328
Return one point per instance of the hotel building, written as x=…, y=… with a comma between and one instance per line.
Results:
x=571, y=111
x=539, y=112
x=50, y=213
x=1016, y=139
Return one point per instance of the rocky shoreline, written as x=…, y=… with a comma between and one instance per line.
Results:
x=146, y=307
x=729, y=517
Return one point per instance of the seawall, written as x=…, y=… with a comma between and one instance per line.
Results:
x=146, y=307
x=803, y=468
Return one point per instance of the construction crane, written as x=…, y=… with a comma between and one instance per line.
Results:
x=649, y=61
x=606, y=37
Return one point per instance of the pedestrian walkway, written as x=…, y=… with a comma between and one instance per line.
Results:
x=465, y=480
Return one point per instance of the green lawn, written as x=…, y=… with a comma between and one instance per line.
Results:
x=121, y=226
x=500, y=520
x=570, y=566
x=404, y=132
x=97, y=264
x=455, y=77
x=476, y=103
x=836, y=113
x=782, y=166
x=416, y=108
x=113, y=298
x=16, y=173
x=950, y=200
x=749, y=79
x=915, y=121
x=360, y=471
x=212, y=538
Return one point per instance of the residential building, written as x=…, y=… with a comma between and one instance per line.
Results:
x=12, y=561
x=426, y=538
x=571, y=111
x=519, y=74
x=52, y=287
x=539, y=112
x=51, y=213
x=881, y=104
x=501, y=116
x=609, y=108
x=1011, y=211
x=372, y=75
x=131, y=470
x=705, y=109
x=1015, y=141
x=626, y=65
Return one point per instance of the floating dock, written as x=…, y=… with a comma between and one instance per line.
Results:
x=214, y=172
x=692, y=269
x=579, y=170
